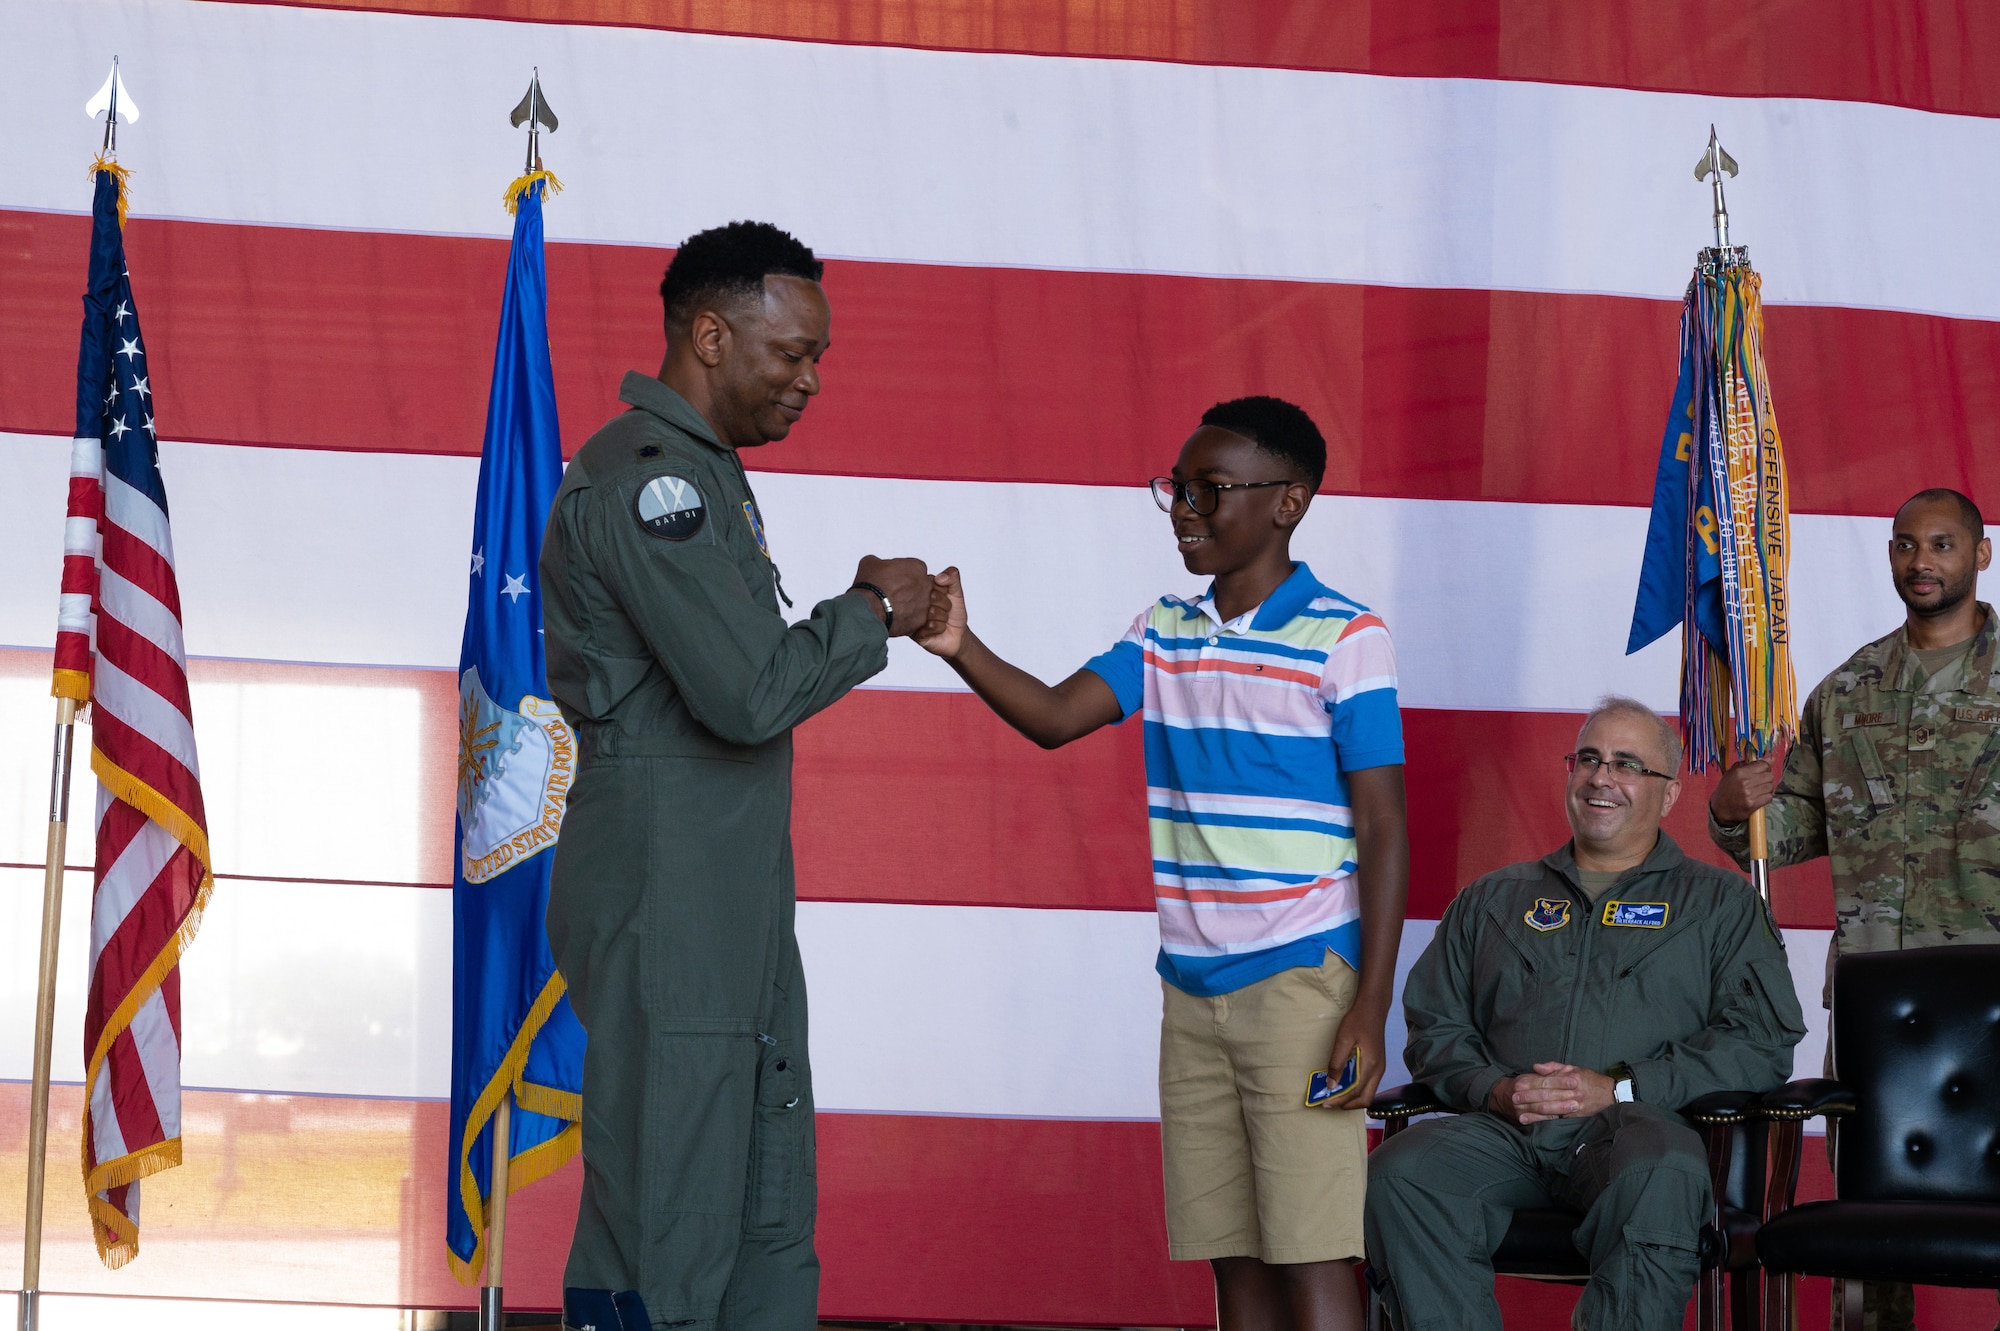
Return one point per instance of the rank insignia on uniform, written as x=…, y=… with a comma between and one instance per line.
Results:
x=1636, y=914
x=757, y=528
x=1549, y=914
x=670, y=507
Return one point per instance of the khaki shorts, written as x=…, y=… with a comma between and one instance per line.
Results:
x=1250, y=1171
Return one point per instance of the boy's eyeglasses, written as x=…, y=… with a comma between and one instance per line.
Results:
x=1628, y=767
x=1201, y=496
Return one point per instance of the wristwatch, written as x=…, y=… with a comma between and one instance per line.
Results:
x=1621, y=1083
x=888, y=611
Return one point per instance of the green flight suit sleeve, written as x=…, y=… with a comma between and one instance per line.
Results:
x=1795, y=819
x=1445, y=1050
x=1753, y=1020
x=745, y=674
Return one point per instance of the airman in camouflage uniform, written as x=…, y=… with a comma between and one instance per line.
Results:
x=1895, y=776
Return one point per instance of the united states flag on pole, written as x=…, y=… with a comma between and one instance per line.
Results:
x=118, y=647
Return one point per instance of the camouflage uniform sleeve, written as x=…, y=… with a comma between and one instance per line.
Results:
x=1753, y=1017
x=1795, y=819
x=1445, y=1050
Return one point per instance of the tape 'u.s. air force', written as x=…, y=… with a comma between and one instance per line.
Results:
x=1636, y=914
x=670, y=507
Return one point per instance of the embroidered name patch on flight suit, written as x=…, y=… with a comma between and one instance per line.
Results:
x=1636, y=914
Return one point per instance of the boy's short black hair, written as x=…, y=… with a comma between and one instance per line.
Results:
x=1278, y=428
x=730, y=261
x=1968, y=512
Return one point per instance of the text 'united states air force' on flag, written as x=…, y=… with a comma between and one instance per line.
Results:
x=512, y=1028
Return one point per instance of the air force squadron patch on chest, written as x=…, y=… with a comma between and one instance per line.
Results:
x=670, y=508
x=1636, y=914
x=1549, y=914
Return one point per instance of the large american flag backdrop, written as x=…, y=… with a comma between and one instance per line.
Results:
x=1456, y=232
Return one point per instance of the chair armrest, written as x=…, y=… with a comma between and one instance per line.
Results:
x=1814, y=1097
x=1722, y=1108
x=1407, y=1102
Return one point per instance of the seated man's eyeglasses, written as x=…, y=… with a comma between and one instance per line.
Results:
x=1590, y=760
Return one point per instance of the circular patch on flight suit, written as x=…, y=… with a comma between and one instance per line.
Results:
x=670, y=507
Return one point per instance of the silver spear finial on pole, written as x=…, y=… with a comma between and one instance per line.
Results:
x=1711, y=167
x=110, y=100
x=535, y=114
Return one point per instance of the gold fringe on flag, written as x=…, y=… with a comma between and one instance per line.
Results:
x=122, y=174
x=520, y=187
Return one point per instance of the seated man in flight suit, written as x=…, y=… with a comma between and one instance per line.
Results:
x=1572, y=1005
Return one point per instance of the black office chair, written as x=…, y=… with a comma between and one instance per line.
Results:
x=1541, y=1243
x=1916, y=1048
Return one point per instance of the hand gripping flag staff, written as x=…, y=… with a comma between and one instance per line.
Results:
x=1717, y=544
x=119, y=652
x=517, y=1049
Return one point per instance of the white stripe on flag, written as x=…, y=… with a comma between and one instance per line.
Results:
x=80, y=537
x=1482, y=598
x=1062, y=1006
x=104, y=1127
x=125, y=883
x=952, y=157
x=160, y=1058
x=124, y=697
x=137, y=514
x=135, y=608
x=86, y=458
x=73, y=613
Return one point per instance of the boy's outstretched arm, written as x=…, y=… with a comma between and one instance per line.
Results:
x=1375, y=794
x=1051, y=717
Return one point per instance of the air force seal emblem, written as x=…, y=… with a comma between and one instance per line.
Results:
x=670, y=507
x=514, y=773
x=1549, y=914
x=1636, y=914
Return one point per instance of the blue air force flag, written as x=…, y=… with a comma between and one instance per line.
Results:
x=1683, y=564
x=512, y=1028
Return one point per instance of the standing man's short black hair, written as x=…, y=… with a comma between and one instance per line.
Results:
x=1968, y=511
x=1278, y=428
x=728, y=261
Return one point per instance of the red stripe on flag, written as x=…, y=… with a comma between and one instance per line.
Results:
x=1006, y=374
x=135, y=944
x=132, y=558
x=1068, y=829
x=131, y=1095
x=1932, y=54
x=121, y=822
x=142, y=659
x=140, y=756
x=86, y=497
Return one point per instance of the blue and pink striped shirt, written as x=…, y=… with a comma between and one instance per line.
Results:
x=1251, y=727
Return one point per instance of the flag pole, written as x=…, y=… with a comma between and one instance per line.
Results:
x=492, y=1316
x=45, y=1012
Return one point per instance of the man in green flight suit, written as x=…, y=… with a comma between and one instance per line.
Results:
x=1573, y=1005
x=1895, y=776
x=671, y=904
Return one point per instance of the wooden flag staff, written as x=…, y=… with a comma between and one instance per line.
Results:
x=45, y=1013
x=492, y=1314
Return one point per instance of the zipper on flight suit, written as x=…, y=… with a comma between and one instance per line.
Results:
x=1580, y=979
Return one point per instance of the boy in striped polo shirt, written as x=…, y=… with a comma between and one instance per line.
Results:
x=1274, y=778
